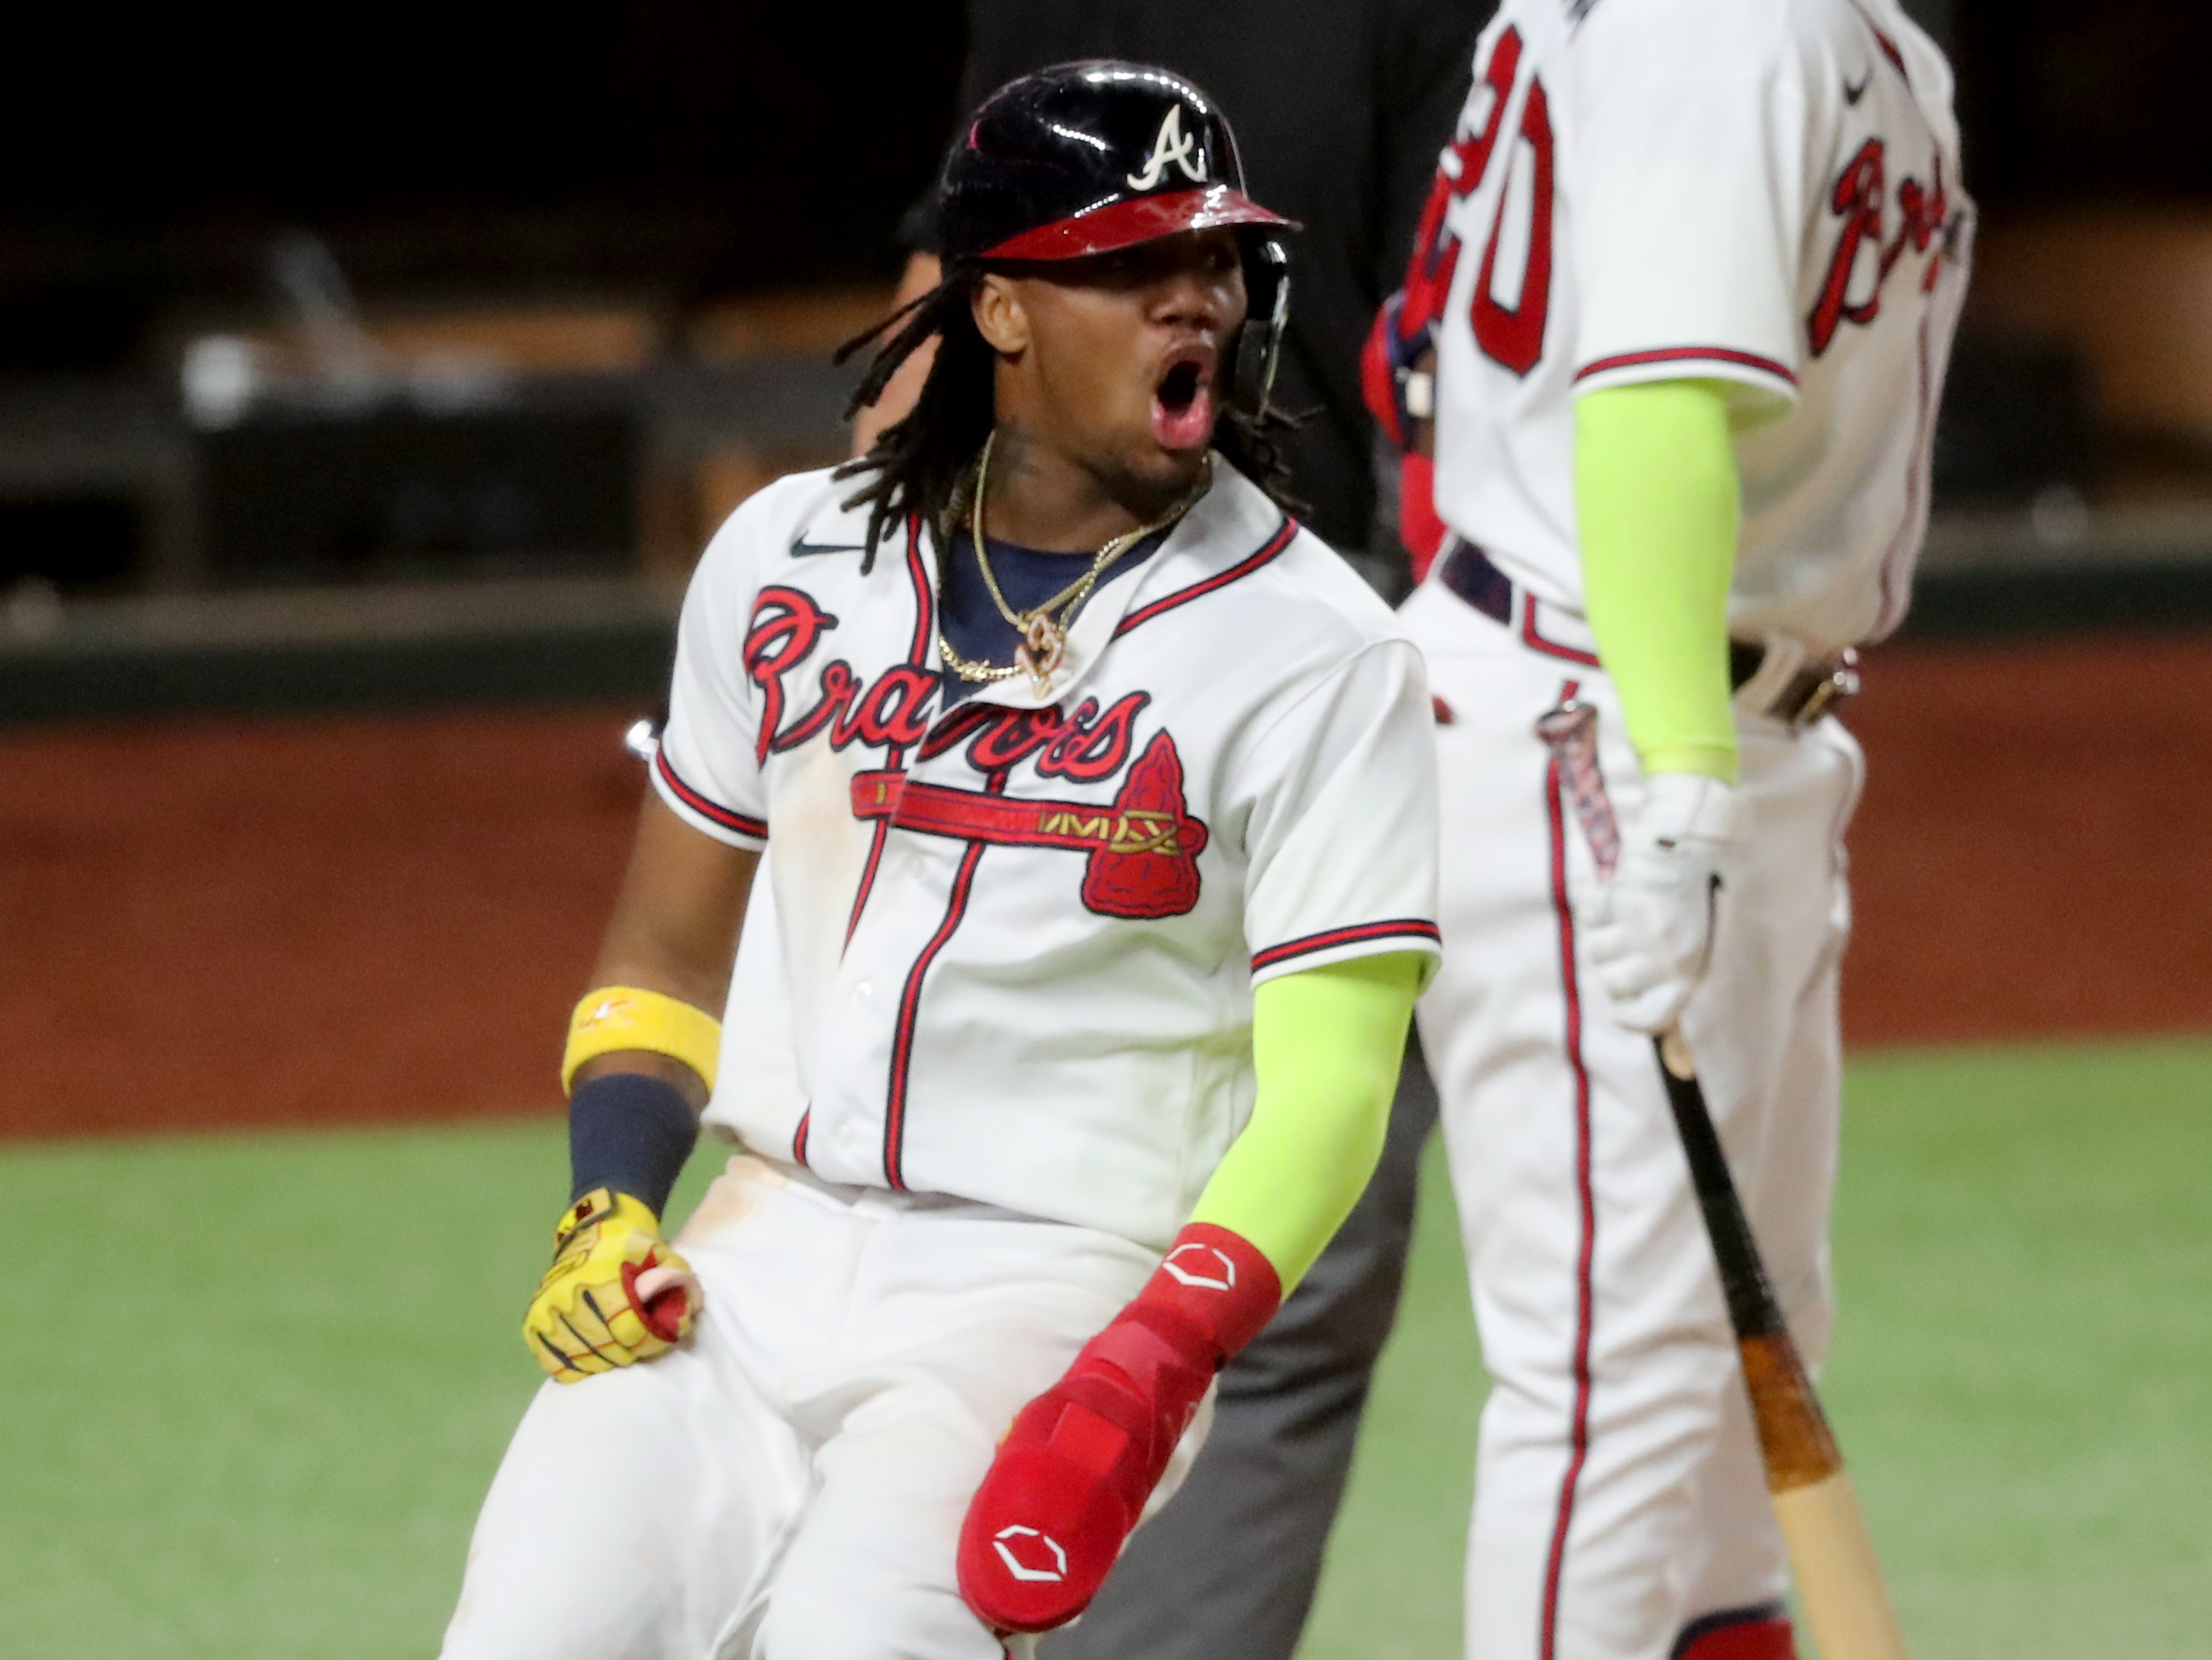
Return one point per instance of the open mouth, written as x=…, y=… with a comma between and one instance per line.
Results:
x=1182, y=402
x=1179, y=386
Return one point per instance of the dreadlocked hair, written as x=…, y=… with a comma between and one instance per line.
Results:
x=920, y=465
x=1253, y=444
x=917, y=465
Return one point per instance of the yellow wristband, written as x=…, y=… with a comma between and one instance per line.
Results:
x=630, y=1017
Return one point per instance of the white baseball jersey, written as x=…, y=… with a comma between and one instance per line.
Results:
x=1019, y=938
x=1765, y=192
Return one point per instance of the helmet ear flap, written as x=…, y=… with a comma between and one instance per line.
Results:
x=1260, y=342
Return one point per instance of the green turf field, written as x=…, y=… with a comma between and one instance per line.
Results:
x=264, y=1380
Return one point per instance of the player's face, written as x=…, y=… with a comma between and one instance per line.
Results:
x=1124, y=357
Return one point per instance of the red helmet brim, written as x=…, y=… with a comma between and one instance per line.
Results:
x=1125, y=223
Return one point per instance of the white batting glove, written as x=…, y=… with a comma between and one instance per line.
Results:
x=1652, y=930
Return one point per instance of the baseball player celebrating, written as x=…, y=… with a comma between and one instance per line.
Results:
x=1103, y=805
x=1690, y=274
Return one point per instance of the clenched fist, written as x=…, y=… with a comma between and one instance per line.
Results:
x=615, y=1294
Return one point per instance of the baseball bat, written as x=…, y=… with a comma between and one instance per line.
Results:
x=1839, y=1582
x=1847, y=1602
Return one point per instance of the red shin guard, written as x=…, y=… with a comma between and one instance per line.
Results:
x=1072, y=1475
x=1759, y=1634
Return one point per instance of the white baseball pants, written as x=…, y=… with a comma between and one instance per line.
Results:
x=1619, y=1497
x=789, y=1485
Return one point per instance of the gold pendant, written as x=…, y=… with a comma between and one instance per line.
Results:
x=1043, y=643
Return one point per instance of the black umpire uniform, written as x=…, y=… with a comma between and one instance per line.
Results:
x=1339, y=107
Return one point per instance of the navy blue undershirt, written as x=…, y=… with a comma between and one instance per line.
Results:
x=971, y=623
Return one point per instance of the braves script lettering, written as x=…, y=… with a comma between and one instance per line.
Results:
x=894, y=709
x=1091, y=745
x=1085, y=745
x=784, y=629
x=1860, y=197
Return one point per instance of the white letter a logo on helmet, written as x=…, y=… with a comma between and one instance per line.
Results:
x=1172, y=145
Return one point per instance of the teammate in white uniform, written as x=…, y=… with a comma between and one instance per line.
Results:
x=1105, y=866
x=1690, y=274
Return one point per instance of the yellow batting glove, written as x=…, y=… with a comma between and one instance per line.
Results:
x=615, y=1294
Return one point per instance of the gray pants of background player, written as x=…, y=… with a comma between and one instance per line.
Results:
x=1226, y=1571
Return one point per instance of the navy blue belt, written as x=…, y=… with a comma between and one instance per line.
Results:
x=1468, y=572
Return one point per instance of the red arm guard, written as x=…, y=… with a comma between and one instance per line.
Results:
x=1073, y=1475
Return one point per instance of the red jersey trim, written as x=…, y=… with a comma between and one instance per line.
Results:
x=729, y=819
x=894, y=758
x=1533, y=637
x=1633, y=360
x=1243, y=567
x=924, y=601
x=901, y=1071
x=1403, y=927
x=1578, y=1423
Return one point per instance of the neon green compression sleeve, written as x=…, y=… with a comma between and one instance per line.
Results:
x=1326, y=1044
x=1656, y=499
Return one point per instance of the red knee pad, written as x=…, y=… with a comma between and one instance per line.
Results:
x=1753, y=1634
x=1072, y=1475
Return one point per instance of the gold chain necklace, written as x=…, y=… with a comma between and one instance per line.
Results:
x=1044, y=638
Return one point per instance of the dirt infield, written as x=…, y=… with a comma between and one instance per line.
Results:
x=284, y=922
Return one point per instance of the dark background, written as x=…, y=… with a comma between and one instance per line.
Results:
x=683, y=150
x=677, y=150
x=672, y=160
x=2066, y=104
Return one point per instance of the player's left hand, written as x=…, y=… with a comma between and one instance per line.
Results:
x=1652, y=930
x=1072, y=1477
x=615, y=1294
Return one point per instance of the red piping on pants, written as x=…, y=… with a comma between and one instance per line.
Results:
x=1579, y=1436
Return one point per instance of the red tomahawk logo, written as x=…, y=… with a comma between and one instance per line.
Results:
x=1143, y=847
